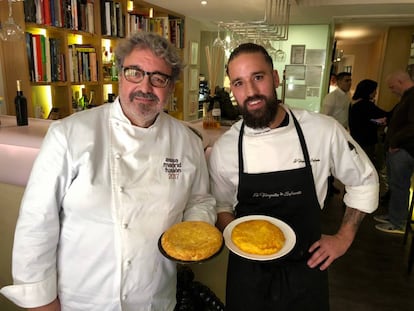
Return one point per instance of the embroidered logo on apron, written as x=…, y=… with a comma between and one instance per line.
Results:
x=276, y=194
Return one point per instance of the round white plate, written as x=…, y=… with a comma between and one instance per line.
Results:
x=290, y=237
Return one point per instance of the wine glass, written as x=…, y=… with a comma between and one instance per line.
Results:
x=268, y=46
x=280, y=55
x=10, y=31
x=217, y=41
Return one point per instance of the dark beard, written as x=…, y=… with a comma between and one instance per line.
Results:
x=259, y=119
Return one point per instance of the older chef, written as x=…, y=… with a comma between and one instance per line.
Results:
x=106, y=184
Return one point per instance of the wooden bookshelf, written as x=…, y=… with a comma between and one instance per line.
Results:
x=90, y=40
x=73, y=36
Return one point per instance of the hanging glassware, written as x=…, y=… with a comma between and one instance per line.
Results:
x=267, y=44
x=280, y=55
x=273, y=27
x=217, y=41
x=10, y=31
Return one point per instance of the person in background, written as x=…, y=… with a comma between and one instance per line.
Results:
x=365, y=117
x=336, y=104
x=399, y=143
x=275, y=162
x=332, y=82
x=106, y=184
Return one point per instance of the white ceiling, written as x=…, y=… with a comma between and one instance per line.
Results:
x=365, y=18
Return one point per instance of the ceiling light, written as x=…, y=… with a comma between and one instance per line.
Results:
x=203, y=2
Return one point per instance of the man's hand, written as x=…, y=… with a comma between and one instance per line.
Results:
x=53, y=306
x=223, y=219
x=330, y=247
x=326, y=250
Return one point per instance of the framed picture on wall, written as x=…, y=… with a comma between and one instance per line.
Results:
x=295, y=72
x=297, y=54
x=193, y=79
x=193, y=53
x=192, y=103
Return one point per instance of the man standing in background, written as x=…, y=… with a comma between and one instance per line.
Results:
x=336, y=103
x=399, y=144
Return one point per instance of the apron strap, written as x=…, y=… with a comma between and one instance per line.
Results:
x=301, y=139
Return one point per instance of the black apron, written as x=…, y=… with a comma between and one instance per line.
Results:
x=286, y=283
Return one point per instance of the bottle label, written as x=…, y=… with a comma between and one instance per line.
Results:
x=216, y=112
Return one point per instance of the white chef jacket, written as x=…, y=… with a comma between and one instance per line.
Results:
x=336, y=104
x=100, y=194
x=331, y=149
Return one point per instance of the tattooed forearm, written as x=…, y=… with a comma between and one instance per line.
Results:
x=353, y=217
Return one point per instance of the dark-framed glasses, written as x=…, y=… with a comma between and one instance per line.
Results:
x=135, y=74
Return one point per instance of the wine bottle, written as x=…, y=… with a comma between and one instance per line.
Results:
x=75, y=99
x=91, y=102
x=216, y=113
x=83, y=101
x=114, y=69
x=20, y=103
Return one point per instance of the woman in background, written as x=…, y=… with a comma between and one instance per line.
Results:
x=365, y=117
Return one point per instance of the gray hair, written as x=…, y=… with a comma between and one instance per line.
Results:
x=160, y=46
x=399, y=75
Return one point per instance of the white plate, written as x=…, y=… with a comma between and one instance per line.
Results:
x=286, y=229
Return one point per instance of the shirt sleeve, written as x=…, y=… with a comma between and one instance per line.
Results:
x=37, y=229
x=201, y=203
x=222, y=187
x=352, y=167
x=328, y=104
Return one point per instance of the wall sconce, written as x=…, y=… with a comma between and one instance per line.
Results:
x=338, y=55
x=9, y=30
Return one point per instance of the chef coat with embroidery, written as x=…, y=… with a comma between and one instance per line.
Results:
x=100, y=194
x=331, y=149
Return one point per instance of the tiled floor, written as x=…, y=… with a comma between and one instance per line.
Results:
x=372, y=275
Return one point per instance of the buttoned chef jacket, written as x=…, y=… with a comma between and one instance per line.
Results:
x=100, y=194
x=330, y=147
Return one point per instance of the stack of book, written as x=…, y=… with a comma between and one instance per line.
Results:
x=46, y=62
x=83, y=63
x=70, y=14
x=171, y=28
x=112, y=19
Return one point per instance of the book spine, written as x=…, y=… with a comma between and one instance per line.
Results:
x=93, y=66
x=37, y=53
x=29, y=49
x=46, y=12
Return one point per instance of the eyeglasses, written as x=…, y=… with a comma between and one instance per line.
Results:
x=136, y=75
